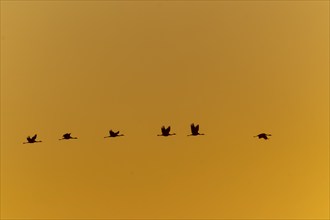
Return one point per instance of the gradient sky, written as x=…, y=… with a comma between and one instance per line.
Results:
x=236, y=68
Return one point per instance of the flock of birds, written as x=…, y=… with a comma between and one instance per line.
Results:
x=165, y=132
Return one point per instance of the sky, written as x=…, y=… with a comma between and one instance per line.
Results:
x=236, y=68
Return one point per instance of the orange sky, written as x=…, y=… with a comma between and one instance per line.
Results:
x=236, y=68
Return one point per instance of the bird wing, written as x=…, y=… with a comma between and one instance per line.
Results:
x=192, y=127
x=117, y=132
x=66, y=135
x=112, y=133
x=262, y=135
x=168, y=129
x=28, y=138
x=197, y=128
x=34, y=137
x=163, y=130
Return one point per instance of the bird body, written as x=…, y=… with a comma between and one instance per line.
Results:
x=194, y=130
x=113, y=134
x=263, y=135
x=31, y=140
x=166, y=131
x=67, y=136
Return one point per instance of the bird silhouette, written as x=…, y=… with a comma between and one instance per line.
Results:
x=67, y=136
x=194, y=130
x=166, y=131
x=31, y=140
x=263, y=135
x=113, y=134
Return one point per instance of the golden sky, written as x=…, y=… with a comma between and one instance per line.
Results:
x=237, y=68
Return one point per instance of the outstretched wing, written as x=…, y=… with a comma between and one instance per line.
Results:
x=192, y=128
x=112, y=133
x=197, y=128
x=34, y=137
x=163, y=130
x=263, y=135
x=28, y=138
x=168, y=129
x=117, y=132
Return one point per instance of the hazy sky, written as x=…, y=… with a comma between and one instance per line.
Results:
x=237, y=68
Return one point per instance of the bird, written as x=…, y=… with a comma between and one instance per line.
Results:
x=166, y=131
x=194, y=130
x=67, y=136
x=113, y=134
x=31, y=140
x=263, y=135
